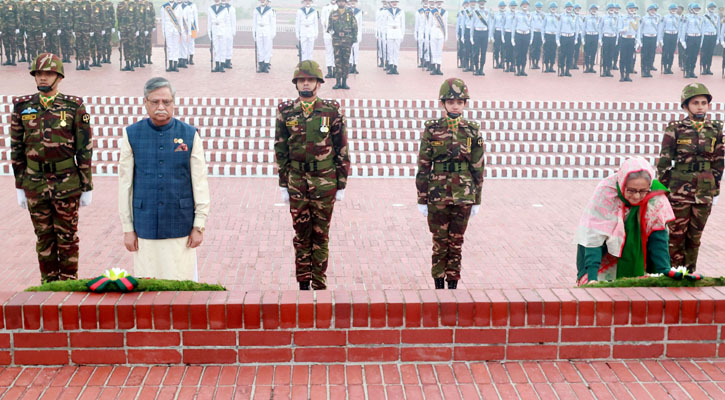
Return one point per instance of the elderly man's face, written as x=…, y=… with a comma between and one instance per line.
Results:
x=160, y=106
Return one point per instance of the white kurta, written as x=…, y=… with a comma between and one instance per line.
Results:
x=164, y=258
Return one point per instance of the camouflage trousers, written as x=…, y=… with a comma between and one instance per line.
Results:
x=83, y=46
x=106, y=42
x=147, y=44
x=141, y=45
x=96, y=43
x=56, y=226
x=66, y=43
x=686, y=232
x=20, y=43
x=448, y=224
x=52, y=43
x=311, y=222
x=129, y=45
x=8, y=43
x=342, y=60
x=35, y=44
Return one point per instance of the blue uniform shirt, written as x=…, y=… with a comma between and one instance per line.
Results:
x=710, y=22
x=629, y=25
x=537, y=21
x=522, y=22
x=670, y=24
x=498, y=20
x=649, y=26
x=551, y=23
x=567, y=25
x=508, y=24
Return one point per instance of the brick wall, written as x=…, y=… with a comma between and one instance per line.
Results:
x=373, y=326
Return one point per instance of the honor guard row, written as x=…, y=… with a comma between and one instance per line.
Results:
x=180, y=26
x=83, y=28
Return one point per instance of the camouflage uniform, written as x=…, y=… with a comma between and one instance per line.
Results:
x=96, y=27
x=140, y=40
x=313, y=162
x=343, y=28
x=66, y=27
x=82, y=29
x=51, y=22
x=8, y=25
x=149, y=24
x=127, y=29
x=51, y=150
x=109, y=25
x=449, y=181
x=32, y=21
x=691, y=166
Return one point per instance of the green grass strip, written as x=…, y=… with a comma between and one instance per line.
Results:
x=144, y=285
x=660, y=281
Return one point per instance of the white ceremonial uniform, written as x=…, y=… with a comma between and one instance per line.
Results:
x=264, y=29
x=194, y=28
x=355, y=53
x=438, y=33
x=326, y=36
x=394, y=32
x=232, y=30
x=172, y=26
x=219, y=23
x=307, y=30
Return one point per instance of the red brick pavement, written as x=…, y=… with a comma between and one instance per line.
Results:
x=371, y=83
x=521, y=238
x=690, y=379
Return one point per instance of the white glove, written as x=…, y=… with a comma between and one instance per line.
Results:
x=17, y=31
x=600, y=43
x=22, y=200
x=558, y=43
x=340, y=194
x=285, y=194
x=103, y=32
x=86, y=198
x=423, y=209
x=136, y=33
x=714, y=200
x=684, y=45
x=43, y=35
x=113, y=30
x=92, y=34
x=145, y=33
x=474, y=209
x=74, y=35
x=513, y=43
x=58, y=32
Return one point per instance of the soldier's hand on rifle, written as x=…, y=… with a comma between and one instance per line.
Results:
x=44, y=35
x=17, y=31
x=86, y=198
x=113, y=30
x=58, y=32
x=145, y=33
x=423, y=209
x=92, y=34
x=22, y=200
x=474, y=209
x=284, y=193
x=136, y=33
x=103, y=32
x=340, y=194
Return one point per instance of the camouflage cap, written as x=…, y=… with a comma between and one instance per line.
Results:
x=453, y=88
x=47, y=62
x=308, y=69
x=692, y=90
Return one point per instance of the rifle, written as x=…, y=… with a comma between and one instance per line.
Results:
x=458, y=53
x=166, y=60
x=1, y=50
x=601, y=58
x=120, y=52
x=299, y=50
x=211, y=50
x=27, y=52
x=417, y=52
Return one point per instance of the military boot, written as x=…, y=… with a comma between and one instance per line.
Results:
x=707, y=71
x=148, y=61
x=304, y=285
x=218, y=67
x=12, y=60
x=344, y=84
x=191, y=59
x=22, y=58
x=395, y=70
x=171, y=67
x=228, y=64
x=266, y=67
x=181, y=63
x=128, y=67
x=85, y=65
x=354, y=69
x=260, y=67
x=452, y=284
x=95, y=63
x=330, y=73
x=440, y=283
x=337, y=84
x=668, y=70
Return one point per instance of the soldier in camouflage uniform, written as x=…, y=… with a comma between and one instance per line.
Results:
x=127, y=29
x=109, y=28
x=691, y=166
x=139, y=40
x=97, y=32
x=32, y=21
x=51, y=22
x=82, y=30
x=311, y=152
x=449, y=180
x=342, y=26
x=51, y=150
x=149, y=25
x=10, y=30
x=66, y=29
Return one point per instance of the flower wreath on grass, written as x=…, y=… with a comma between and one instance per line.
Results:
x=113, y=280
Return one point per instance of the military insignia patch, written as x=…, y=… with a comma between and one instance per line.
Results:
x=480, y=141
x=29, y=117
x=684, y=141
x=436, y=143
x=292, y=123
x=29, y=111
x=86, y=118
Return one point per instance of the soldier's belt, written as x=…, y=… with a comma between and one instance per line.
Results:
x=697, y=166
x=51, y=167
x=671, y=32
x=311, y=166
x=450, y=166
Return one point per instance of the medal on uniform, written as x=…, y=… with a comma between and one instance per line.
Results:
x=62, y=119
x=325, y=122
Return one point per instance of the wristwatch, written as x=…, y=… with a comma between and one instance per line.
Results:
x=200, y=229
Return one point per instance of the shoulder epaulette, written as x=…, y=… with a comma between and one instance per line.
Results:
x=285, y=105
x=331, y=103
x=22, y=99
x=74, y=99
x=430, y=122
x=474, y=124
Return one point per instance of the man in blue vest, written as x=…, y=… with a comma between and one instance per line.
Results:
x=163, y=193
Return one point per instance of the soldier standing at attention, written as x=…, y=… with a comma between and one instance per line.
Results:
x=149, y=25
x=171, y=25
x=537, y=24
x=343, y=28
x=691, y=166
x=10, y=28
x=394, y=33
x=508, y=38
x=327, y=39
x=628, y=27
x=32, y=22
x=522, y=38
x=421, y=21
x=710, y=32
x=51, y=151
x=590, y=30
x=109, y=28
x=97, y=32
x=306, y=29
x=647, y=39
x=66, y=30
x=264, y=29
x=482, y=20
x=449, y=180
x=565, y=38
x=310, y=148
x=219, y=23
x=667, y=38
x=691, y=38
x=578, y=37
x=551, y=30
x=355, y=54
x=437, y=34
x=127, y=30
x=52, y=27
x=82, y=30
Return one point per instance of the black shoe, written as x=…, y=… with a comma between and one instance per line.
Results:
x=344, y=84
x=390, y=70
x=128, y=67
x=171, y=67
x=440, y=283
x=218, y=67
x=615, y=68
x=646, y=74
x=337, y=84
x=668, y=71
x=652, y=68
x=304, y=285
x=521, y=73
x=140, y=63
x=181, y=63
x=575, y=67
x=452, y=284
x=22, y=59
x=148, y=60
x=536, y=66
x=329, y=73
x=627, y=78
x=227, y=64
x=107, y=60
x=354, y=69
x=260, y=67
x=191, y=60
x=176, y=67
x=85, y=66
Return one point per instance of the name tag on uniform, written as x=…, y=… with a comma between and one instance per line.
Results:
x=437, y=143
x=684, y=141
x=28, y=117
x=292, y=123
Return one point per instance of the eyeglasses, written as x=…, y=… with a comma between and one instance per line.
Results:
x=633, y=192
x=156, y=103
